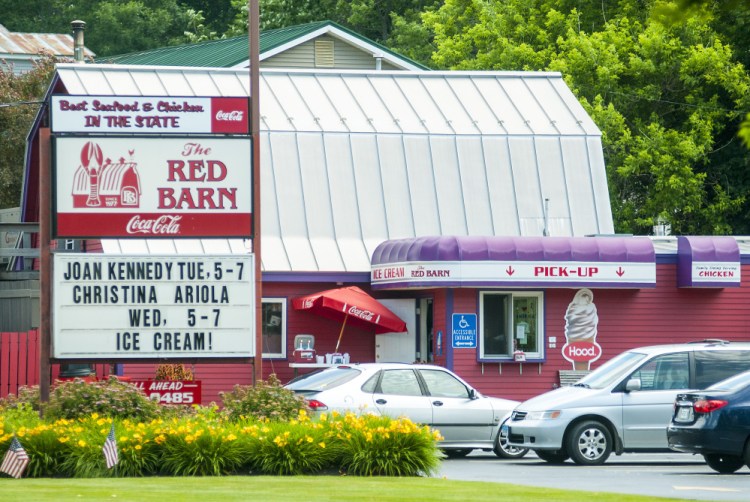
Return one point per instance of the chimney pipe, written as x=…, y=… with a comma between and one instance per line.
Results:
x=78, y=27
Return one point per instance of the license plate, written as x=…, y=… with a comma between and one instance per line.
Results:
x=685, y=414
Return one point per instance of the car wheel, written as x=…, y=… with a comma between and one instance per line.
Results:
x=503, y=450
x=552, y=456
x=589, y=443
x=457, y=453
x=724, y=464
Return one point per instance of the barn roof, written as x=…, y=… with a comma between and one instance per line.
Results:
x=352, y=159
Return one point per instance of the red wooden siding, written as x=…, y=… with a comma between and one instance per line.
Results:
x=628, y=318
x=19, y=361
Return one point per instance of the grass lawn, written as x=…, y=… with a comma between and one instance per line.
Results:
x=296, y=488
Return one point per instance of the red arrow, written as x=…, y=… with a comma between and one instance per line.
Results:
x=509, y=270
x=620, y=271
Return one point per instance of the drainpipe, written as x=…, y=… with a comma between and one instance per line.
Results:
x=545, y=232
x=78, y=27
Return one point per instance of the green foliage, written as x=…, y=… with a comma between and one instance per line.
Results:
x=667, y=96
x=380, y=446
x=112, y=398
x=202, y=449
x=268, y=400
x=207, y=444
x=284, y=449
x=20, y=97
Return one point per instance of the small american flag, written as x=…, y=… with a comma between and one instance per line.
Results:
x=15, y=459
x=110, y=449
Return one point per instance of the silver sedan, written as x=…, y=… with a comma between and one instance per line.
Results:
x=425, y=394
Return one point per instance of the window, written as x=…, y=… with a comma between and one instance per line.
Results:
x=665, y=372
x=273, y=324
x=442, y=384
x=712, y=366
x=511, y=321
x=400, y=383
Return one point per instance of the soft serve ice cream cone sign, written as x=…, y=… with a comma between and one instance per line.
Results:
x=581, y=321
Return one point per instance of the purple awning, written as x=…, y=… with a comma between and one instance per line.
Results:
x=514, y=261
x=465, y=248
x=709, y=262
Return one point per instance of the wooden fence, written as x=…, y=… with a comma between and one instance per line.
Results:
x=19, y=361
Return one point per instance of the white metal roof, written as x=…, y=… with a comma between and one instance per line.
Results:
x=351, y=159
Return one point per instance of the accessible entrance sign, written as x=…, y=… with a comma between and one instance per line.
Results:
x=464, y=331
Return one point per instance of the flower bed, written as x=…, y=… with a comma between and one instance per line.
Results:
x=208, y=443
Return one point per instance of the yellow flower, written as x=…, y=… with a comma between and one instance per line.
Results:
x=322, y=444
x=231, y=437
x=137, y=447
x=81, y=443
x=94, y=416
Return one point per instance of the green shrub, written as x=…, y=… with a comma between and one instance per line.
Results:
x=291, y=449
x=380, y=446
x=268, y=400
x=200, y=448
x=27, y=395
x=111, y=398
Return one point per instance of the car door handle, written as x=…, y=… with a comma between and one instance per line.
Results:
x=380, y=401
x=437, y=403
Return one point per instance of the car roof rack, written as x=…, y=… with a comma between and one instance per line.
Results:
x=712, y=341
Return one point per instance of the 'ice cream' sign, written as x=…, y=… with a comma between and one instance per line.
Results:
x=581, y=320
x=152, y=187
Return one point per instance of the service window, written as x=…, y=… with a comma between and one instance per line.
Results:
x=273, y=324
x=510, y=322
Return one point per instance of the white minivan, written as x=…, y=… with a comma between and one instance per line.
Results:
x=623, y=406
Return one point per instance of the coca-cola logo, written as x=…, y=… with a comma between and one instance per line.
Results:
x=163, y=225
x=361, y=313
x=233, y=116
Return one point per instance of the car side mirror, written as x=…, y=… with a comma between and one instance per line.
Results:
x=472, y=394
x=633, y=384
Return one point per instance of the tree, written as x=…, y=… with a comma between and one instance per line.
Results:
x=370, y=18
x=668, y=97
x=20, y=97
x=112, y=26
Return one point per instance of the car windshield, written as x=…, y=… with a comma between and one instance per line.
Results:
x=611, y=371
x=734, y=383
x=324, y=380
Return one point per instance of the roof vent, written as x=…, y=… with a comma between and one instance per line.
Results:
x=324, y=57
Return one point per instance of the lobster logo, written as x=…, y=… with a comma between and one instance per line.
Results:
x=100, y=182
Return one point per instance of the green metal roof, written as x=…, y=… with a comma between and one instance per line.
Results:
x=230, y=52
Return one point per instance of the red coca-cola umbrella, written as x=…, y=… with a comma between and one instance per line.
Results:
x=353, y=305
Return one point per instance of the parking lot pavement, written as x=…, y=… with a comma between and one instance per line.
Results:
x=674, y=475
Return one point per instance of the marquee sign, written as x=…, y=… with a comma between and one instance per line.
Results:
x=137, y=307
x=149, y=115
x=143, y=187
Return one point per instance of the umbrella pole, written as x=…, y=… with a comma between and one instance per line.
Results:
x=340, y=334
